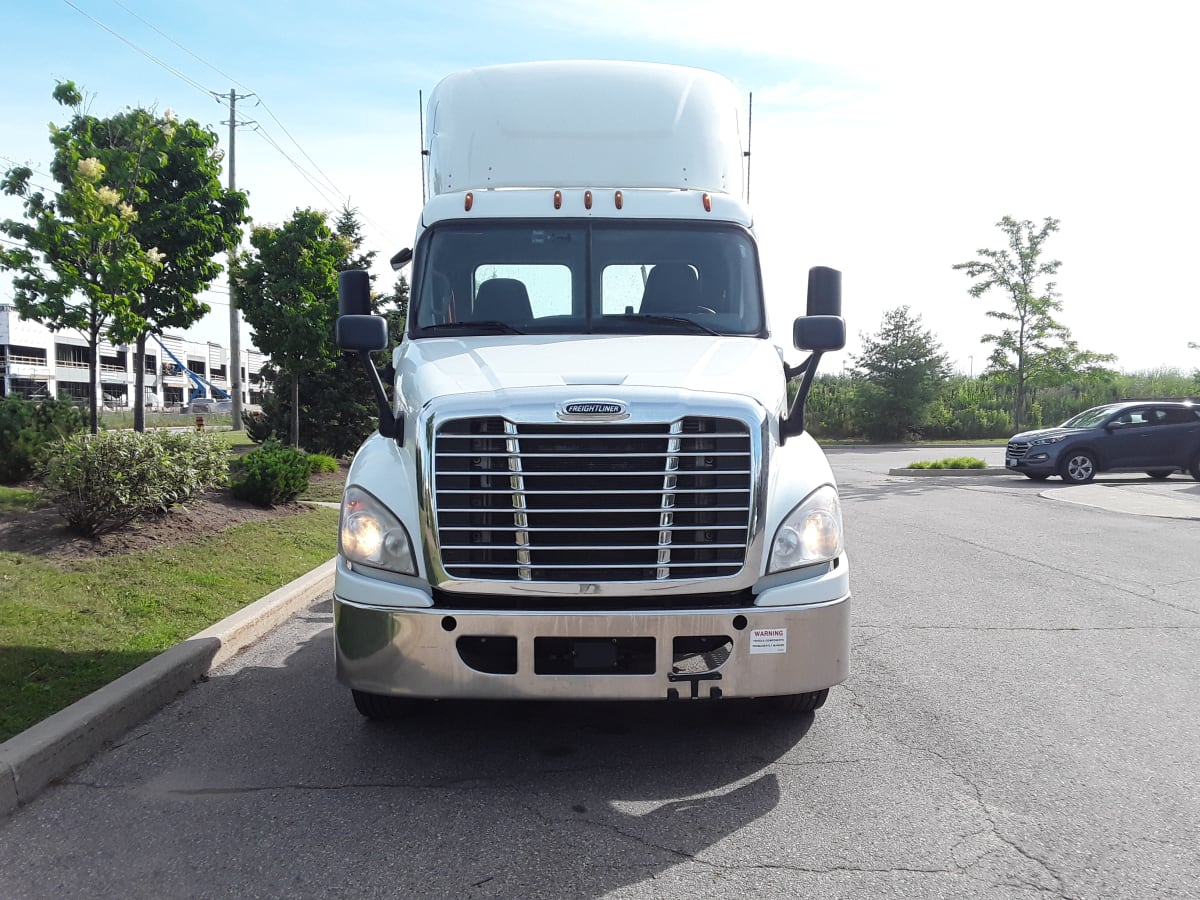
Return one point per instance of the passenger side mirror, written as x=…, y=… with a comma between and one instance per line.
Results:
x=358, y=333
x=354, y=293
x=824, y=291
x=819, y=333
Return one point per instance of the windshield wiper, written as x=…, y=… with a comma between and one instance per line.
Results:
x=486, y=325
x=666, y=320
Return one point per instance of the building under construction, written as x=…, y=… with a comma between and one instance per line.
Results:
x=37, y=362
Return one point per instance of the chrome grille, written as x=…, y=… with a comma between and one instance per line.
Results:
x=1017, y=449
x=592, y=502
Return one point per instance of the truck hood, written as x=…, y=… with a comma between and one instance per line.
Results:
x=434, y=367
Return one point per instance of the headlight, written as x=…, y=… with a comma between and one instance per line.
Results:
x=1048, y=440
x=370, y=534
x=810, y=533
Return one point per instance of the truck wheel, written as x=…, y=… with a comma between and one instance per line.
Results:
x=1078, y=468
x=378, y=706
x=1160, y=473
x=797, y=703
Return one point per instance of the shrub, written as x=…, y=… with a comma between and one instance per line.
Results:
x=258, y=426
x=271, y=474
x=319, y=463
x=953, y=462
x=103, y=481
x=28, y=429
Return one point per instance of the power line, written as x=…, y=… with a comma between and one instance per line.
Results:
x=258, y=98
x=146, y=53
x=194, y=56
x=25, y=164
x=220, y=98
x=266, y=108
x=270, y=140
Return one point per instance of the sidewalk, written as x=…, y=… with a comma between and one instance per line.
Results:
x=1175, y=498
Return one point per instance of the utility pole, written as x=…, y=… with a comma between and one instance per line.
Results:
x=235, y=330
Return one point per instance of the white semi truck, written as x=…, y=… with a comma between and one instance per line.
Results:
x=589, y=481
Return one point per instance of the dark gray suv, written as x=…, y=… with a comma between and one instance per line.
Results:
x=1157, y=437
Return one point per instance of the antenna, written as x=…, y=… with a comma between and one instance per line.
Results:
x=424, y=152
x=749, y=135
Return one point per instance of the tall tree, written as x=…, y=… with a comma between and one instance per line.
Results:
x=394, y=306
x=80, y=265
x=901, y=369
x=287, y=286
x=336, y=405
x=1034, y=348
x=349, y=227
x=172, y=172
x=168, y=173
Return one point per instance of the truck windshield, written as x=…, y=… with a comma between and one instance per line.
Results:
x=594, y=277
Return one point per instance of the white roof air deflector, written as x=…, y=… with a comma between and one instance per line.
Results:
x=584, y=124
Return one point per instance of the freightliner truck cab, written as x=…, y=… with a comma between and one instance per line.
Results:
x=590, y=479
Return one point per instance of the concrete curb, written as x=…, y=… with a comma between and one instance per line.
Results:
x=47, y=751
x=960, y=473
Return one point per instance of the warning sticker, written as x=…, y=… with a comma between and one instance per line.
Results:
x=768, y=640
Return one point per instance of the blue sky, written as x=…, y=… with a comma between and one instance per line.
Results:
x=888, y=138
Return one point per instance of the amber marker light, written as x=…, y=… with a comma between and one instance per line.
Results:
x=558, y=199
x=587, y=199
x=619, y=200
x=468, y=200
x=708, y=202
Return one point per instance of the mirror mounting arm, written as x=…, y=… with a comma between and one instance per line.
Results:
x=794, y=423
x=389, y=425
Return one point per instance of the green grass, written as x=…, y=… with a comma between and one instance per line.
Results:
x=18, y=499
x=66, y=630
x=123, y=418
x=324, y=491
x=953, y=462
x=235, y=438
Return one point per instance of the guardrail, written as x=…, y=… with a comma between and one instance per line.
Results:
x=14, y=360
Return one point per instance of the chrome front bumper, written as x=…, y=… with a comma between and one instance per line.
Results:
x=418, y=652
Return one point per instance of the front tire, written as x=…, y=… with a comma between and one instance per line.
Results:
x=1078, y=468
x=796, y=703
x=379, y=706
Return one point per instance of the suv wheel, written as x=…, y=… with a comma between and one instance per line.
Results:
x=1078, y=468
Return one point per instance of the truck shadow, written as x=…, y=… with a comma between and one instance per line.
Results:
x=467, y=799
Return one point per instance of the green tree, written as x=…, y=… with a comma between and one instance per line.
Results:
x=287, y=288
x=1034, y=349
x=171, y=172
x=394, y=307
x=79, y=263
x=166, y=178
x=349, y=227
x=900, y=372
x=336, y=405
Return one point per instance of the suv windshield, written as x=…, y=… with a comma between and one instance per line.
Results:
x=573, y=277
x=1090, y=417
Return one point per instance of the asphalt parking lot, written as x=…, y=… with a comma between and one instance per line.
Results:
x=1021, y=720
